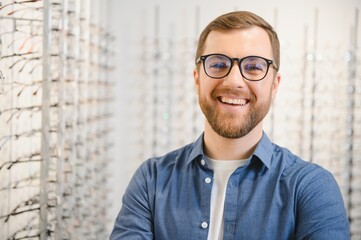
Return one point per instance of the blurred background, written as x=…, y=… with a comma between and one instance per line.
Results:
x=90, y=89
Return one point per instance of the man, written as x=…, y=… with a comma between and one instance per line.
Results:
x=233, y=183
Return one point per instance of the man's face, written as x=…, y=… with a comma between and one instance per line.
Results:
x=233, y=106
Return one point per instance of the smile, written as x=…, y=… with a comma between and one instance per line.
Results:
x=233, y=101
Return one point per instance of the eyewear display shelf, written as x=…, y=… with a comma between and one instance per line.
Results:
x=55, y=114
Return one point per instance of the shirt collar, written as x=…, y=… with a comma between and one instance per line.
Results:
x=197, y=149
x=263, y=151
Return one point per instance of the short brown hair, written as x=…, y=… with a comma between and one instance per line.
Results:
x=240, y=20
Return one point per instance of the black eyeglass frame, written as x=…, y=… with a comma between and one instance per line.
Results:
x=203, y=58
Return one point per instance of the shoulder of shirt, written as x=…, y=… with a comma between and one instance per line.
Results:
x=294, y=166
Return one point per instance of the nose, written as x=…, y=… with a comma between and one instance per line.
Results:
x=235, y=78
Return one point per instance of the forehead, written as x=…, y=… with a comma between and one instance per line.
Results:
x=239, y=42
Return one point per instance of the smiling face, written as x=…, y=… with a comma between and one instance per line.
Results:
x=234, y=106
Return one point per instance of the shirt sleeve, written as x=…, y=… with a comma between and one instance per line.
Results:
x=321, y=214
x=134, y=220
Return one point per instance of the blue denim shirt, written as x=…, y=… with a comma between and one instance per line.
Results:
x=276, y=195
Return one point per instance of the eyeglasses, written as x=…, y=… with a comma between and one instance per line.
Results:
x=253, y=68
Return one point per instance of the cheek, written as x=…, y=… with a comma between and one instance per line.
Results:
x=206, y=86
x=263, y=92
x=201, y=83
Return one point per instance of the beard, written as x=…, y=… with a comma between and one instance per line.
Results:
x=231, y=125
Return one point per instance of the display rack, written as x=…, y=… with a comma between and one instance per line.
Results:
x=55, y=115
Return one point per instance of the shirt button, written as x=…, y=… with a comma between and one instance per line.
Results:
x=203, y=162
x=204, y=225
x=208, y=180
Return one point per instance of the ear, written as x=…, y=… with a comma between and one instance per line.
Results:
x=196, y=79
x=275, y=85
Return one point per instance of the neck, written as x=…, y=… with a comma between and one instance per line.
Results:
x=218, y=147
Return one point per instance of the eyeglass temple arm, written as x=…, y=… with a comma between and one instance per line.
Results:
x=198, y=60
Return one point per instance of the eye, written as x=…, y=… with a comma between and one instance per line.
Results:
x=253, y=67
x=219, y=65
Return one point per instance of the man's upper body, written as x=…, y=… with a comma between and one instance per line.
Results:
x=275, y=195
x=272, y=195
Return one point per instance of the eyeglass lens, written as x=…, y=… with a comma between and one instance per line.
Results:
x=252, y=68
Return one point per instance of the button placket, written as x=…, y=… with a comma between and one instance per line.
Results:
x=206, y=187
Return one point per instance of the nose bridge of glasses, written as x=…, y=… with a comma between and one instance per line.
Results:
x=232, y=65
x=239, y=74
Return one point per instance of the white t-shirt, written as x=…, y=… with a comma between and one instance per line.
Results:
x=222, y=169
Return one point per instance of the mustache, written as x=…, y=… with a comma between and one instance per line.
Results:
x=235, y=92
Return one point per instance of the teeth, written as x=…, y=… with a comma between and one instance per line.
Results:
x=235, y=101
